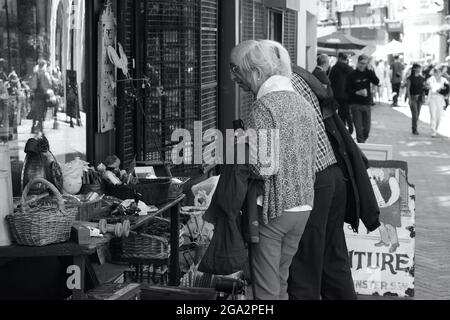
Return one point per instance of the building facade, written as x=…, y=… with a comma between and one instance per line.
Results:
x=422, y=21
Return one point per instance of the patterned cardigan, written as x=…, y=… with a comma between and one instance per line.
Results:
x=289, y=172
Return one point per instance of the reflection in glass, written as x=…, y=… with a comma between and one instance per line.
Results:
x=42, y=76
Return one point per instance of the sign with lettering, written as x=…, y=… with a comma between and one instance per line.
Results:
x=382, y=262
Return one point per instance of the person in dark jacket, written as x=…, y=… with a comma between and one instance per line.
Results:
x=415, y=91
x=397, y=69
x=320, y=268
x=338, y=78
x=320, y=72
x=360, y=97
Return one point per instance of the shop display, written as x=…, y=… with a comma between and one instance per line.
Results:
x=43, y=223
x=41, y=163
x=73, y=175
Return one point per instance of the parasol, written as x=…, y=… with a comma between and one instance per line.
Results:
x=341, y=41
x=393, y=47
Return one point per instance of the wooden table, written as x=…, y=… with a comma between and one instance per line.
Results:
x=80, y=253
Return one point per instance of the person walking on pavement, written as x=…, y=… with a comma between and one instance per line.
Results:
x=446, y=75
x=438, y=89
x=320, y=72
x=40, y=83
x=338, y=78
x=379, y=72
x=358, y=88
x=396, y=79
x=415, y=89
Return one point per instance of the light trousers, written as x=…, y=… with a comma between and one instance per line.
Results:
x=272, y=256
x=436, y=104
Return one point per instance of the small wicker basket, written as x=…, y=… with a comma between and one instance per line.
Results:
x=43, y=224
x=146, y=246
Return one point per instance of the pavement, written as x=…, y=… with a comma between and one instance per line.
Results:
x=429, y=170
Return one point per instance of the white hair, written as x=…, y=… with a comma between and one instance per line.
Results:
x=284, y=64
x=254, y=55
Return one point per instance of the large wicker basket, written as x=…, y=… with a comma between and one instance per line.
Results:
x=43, y=224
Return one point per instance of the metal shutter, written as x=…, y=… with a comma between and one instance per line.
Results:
x=178, y=54
x=209, y=65
x=125, y=117
x=290, y=33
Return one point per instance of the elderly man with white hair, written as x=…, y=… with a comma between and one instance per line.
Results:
x=288, y=173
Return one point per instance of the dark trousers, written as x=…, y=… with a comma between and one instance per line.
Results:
x=321, y=266
x=344, y=113
x=362, y=119
x=396, y=90
x=415, y=103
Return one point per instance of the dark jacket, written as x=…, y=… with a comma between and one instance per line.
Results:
x=361, y=80
x=236, y=191
x=338, y=79
x=397, y=72
x=361, y=201
x=323, y=78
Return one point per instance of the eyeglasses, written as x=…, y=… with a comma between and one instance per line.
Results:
x=234, y=68
x=235, y=73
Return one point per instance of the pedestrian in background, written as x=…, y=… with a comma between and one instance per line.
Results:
x=338, y=78
x=397, y=69
x=373, y=88
x=444, y=69
x=379, y=72
x=386, y=81
x=40, y=83
x=320, y=72
x=415, y=91
x=360, y=95
x=438, y=89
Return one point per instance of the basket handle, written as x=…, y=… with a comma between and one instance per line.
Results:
x=55, y=191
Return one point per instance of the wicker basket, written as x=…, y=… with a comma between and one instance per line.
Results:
x=86, y=210
x=44, y=224
x=146, y=246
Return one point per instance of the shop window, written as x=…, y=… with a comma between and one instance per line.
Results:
x=42, y=76
x=276, y=25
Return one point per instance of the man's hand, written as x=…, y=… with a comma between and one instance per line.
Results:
x=362, y=92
